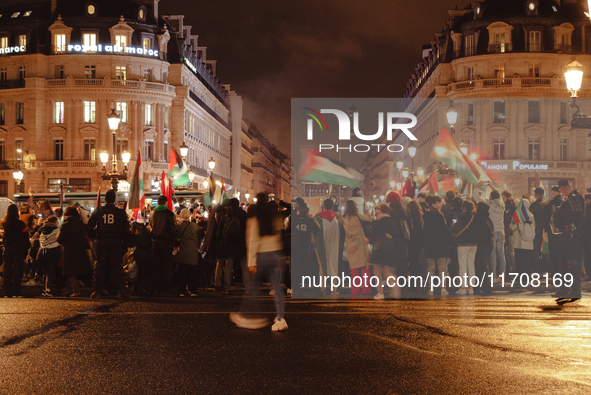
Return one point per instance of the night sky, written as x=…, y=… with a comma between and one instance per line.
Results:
x=271, y=51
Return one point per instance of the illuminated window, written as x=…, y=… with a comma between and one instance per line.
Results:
x=90, y=9
x=149, y=115
x=22, y=40
x=121, y=72
x=89, y=112
x=89, y=39
x=147, y=43
x=121, y=109
x=58, y=112
x=60, y=42
x=121, y=40
x=148, y=74
x=27, y=13
x=142, y=13
x=166, y=117
x=15, y=14
x=3, y=42
x=535, y=41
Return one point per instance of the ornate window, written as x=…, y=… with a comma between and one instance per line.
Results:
x=499, y=37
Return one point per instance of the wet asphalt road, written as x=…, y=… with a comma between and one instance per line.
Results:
x=189, y=346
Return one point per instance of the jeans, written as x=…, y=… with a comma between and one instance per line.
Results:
x=509, y=254
x=497, y=257
x=224, y=266
x=441, y=264
x=466, y=257
x=271, y=264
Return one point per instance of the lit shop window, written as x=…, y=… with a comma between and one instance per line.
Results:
x=89, y=112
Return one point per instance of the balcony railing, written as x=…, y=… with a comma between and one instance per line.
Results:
x=517, y=83
x=110, y=83
x=500, y=48
x=12, y=84
x=67, y=163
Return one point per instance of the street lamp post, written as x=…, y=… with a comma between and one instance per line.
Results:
x=18, y=177
x=399, y=166
x=114, y=176
x=452, y=116
x=412, y=151
x=573, y=74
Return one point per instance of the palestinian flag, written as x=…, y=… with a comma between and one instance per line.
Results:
x=224, y=194
x=178, y=170
x=520, y=215
x=98, y=199
x=447, y=152
x=431, y=185
x=212, y=187
x=136, y=190
x=317, y=168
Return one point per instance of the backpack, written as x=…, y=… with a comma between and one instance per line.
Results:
x=529, y=232
x=231, y=230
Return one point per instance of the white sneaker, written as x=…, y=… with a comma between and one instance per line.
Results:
x=462, y=291
x=249, y=323
x=444, y=292
x=279, y=325
x=470, y=291
x=379, y=296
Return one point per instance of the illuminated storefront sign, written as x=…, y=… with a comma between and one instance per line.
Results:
x=79, y=48
x=514, y=165
x=7, y=50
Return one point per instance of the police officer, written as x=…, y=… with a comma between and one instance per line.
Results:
x=109, y=224
x=569, y=218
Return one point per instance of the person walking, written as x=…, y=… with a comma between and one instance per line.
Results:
x=16, y=243
x=109, y=225
x=187, y=256
x=436, y=236
x=49, y=253
x=264, y=248
x=569, y=218
x=75, y=261
x=357, y=248
x=164, y=233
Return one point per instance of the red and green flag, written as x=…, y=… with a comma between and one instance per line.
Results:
x=317, y=168
x=178, y=170
x=136, y=190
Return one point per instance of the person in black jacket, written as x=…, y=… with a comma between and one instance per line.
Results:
x=231, y=235
x=509, y=210
x=109, y=224
x=483, y=227
x=16, y=243
x=537, y=209
x=436, y=237
x=304, y=261
x=143, y=257
x=467, y=245
x=164, y=233
x=75, y=260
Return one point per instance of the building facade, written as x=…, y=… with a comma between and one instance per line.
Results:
x=500, y=64
x=65, y=64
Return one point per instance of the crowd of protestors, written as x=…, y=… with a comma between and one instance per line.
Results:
x=463, y=236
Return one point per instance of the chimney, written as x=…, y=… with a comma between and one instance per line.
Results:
x=53, y=6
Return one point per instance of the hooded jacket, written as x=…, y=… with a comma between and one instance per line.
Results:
x=496, y=211
x=48, y=236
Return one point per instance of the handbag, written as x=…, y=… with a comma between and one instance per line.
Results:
x=176, y=250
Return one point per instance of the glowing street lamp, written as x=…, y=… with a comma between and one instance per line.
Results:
x=458, y=181
x=420, y=172
x=573, y=74
x=184, y=150
x=464, y=148
x=452, y=115
x=399, y=166
x=392, y=184
x=405, y=172
x=191, y=176
x=211, y=164
x=205, y=184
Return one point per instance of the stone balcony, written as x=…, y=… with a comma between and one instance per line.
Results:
x=139, y=85
x=505, y=84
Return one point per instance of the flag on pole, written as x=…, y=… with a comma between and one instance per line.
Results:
x=178, y=170
x=431, y=185
x=168, y=190
x=520, y=215
x=224, y=193
x=447, y=152
x=136, y=198
x=212, y=187
x=163, y=184
x=317, y=168
x=98, y=199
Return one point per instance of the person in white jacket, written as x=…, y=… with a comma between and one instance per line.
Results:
x=523, y=243
x=497, y=210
